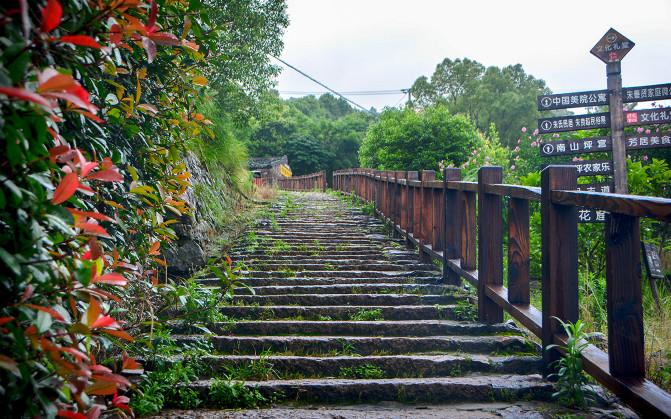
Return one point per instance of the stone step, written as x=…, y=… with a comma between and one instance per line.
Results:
x=256, y=282
x=341, y=312
x=289, y=253
x=367, y=345
x=388, y=366
x=348, y=328
x=321, y=266
x=337, y=274
x=345, y=299
x=485, y=388
x=388, y=288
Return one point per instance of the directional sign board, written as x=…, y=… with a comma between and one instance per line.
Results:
x=652, y=261
x=598, y=144
x=646, y=93
x=588, y=215
x=573, y=122
x=579, y=146
x=612, y=47
x=648, y=117
x=572, y=100
x=592, y=167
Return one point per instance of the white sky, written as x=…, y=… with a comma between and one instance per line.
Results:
x=355, y=45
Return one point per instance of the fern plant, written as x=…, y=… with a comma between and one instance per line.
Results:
x=572, y=388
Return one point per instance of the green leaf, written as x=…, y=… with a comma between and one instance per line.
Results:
x=43, y=322
x=10, y=261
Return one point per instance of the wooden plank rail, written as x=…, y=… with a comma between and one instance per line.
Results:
x=440, y=218
x=310, y=182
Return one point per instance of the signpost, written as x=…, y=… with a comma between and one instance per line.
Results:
x=610, y=49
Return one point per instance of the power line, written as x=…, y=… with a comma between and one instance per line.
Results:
x=320, y=83
x=357, y=93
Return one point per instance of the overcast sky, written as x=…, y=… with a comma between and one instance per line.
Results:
x=355, y=45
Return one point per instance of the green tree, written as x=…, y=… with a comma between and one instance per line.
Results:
x=410, y=140
x=503, y=96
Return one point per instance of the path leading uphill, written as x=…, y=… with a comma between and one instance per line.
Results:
x=344, y=314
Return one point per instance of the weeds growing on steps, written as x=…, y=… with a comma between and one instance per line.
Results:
x=234, y=394
x=166, y=387
x=256, y=370
x=364, y=371
x=367, y=315
x=465, y=310
x=572, y=382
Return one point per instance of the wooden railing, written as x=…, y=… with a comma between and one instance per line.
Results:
x=440, y=218
x=313, y=181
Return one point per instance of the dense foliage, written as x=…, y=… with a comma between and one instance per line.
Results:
x=99, y=102
x=505, y=96
x=315, y=133
x=409, y=140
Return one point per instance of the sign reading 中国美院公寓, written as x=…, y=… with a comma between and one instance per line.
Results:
x=648, y=117
x=612, y=47
x=602, y=97
x=579, y=146
x=646, y=93
x=573, y=122
x=572, y=100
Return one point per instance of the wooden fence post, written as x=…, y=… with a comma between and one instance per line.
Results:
x=410, y=209
x=626, y=354
x=559, y=237
x=426, y=226
x=452, y=222
x=490, y=243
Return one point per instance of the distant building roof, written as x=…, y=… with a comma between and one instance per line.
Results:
x=256, y=163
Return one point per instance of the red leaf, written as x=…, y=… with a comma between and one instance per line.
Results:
x=51, y=311
x=130, y=363
x=164, y=38
x=112, y=278
x=53, y=81
x=115, y=34
x=109, y=175
x=51, y=15
x=150, y=47
x=93, y=229
x=118, y=333
x=151, y=22
x=104, y=321
x=23, y=94
x=93, y=312
x=90, y=116
x=66, y=188
x=27, y=293
x=81, y=40
x=5, y=320
x=70, y=414
x=95, y=215
x=102, y=388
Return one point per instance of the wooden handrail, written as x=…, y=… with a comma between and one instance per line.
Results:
x=309, y=182
x=439, y=217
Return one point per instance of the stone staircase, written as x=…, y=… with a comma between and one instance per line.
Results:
x=343, y=313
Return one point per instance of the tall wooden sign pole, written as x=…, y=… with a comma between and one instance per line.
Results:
x=610, y=49
x=613, y=72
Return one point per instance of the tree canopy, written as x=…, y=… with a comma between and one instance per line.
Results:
x=410, y=140
x=503, y=96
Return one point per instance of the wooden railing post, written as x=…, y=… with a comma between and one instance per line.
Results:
x=559, y=235
x=452, y=217
x=626, y=354
x=410, y=209
x=490, y=243
x=426, y=225
x=518, y=251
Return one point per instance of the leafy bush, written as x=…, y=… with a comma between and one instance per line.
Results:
x=409, y=140
x=167, y=387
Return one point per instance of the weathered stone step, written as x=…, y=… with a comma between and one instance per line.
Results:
x=367, y=345
x=282, y=260
x=256, y=282
x=337, y=274
x=388, y=288
x=345, y=299
x=343, y=252
x=391, y=366
x=341, y=312
x=486, y=388
x=370, y=265
x=349, y=328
